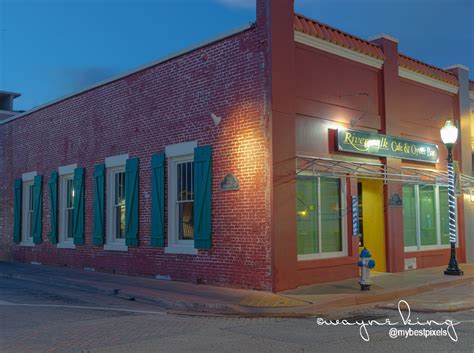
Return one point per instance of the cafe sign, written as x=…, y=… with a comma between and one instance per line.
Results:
x=386, y=146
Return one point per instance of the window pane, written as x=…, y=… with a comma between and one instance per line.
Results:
x=427, y=215
x=409, y=215
x=186, y=221
x=119, y=205
x=444, y=214
x=331, y=232
x=307, y=215
x=69, y=222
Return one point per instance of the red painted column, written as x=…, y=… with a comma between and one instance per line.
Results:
x=391, y=126
x=280, y=17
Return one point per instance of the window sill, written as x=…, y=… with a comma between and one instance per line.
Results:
x=115, y=247
x=27, y=243
x=322, y=256
x=181, y=249
x=66, y=245
x=428, y=248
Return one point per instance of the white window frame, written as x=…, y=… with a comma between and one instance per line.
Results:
x=335, y=254
x=27, y=181
x=178, y=153
x=113, y=165
x=65, y=173
x=418, y=246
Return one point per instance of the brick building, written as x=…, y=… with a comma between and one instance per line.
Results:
x=221, y=164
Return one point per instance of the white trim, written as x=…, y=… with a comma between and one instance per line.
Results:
x=116, y=161
x=112, y=243
x=457, y=66
x=383, y=35
x=25, y=224
x=115, y=247
x=28, y=176
x=429, y=81
x=67, y=169
x=138, y=69
x=27, y=243
x=344, y=233
x=180, y=149
x=335, y=49
x=186, y=154
x=66, y=245
x=63, y=240
x=181, y=249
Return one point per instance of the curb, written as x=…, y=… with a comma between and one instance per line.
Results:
x=194, y=309
x=433, y=307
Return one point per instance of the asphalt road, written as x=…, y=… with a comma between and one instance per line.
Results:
x=41, y=318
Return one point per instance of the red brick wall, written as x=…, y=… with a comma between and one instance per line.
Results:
x=140, y=114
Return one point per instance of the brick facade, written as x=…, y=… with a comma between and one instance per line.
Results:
x=140, y=114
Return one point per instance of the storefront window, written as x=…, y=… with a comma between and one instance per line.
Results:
x=319, y=217
x=444, y=214
x=425, y=216
x=428, y=215
x=331, y=215
x=409, y=215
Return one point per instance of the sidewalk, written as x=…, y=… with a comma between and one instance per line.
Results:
x=304, y=301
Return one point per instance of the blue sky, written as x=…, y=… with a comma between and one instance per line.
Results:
x=49, y=48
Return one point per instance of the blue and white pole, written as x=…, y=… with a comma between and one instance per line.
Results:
x=453, y=268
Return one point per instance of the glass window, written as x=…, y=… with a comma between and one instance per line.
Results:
x=331, y=215
x=425, y=215
x=307, y=215
x=185, y=200
x=428, y=235
x=319, y=216
x=444, y=214
x=119, y=205
x=30, y=210
x=409, y=215
x=66, y=207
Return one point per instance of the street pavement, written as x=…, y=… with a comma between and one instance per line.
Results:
x=41, y=317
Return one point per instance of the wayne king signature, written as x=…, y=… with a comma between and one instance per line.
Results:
x=445, y=328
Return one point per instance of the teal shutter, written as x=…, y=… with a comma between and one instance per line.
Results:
x=37, y=209
x=53, y=206
x=98, y=231
x=131, y=202
x=158, y=200
x=17, y=211
x=78, y=213
x=202, y=197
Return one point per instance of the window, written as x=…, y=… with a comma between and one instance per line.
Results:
x=320, y=220
x=181, y=204
x=425, y=216
x=27, y=208
x=116, y=208
x=180, y=158
x=66, y=210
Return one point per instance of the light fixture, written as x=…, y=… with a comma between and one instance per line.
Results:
x=472, y=195
x=449, y=133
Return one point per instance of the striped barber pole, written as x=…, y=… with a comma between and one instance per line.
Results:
x=355, y=215
x=451, y=203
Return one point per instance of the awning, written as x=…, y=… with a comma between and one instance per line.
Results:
x=378, y=171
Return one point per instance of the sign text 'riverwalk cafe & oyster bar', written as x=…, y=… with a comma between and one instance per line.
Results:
x=266, y=158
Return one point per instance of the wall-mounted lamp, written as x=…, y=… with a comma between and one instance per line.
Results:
x=472, y=195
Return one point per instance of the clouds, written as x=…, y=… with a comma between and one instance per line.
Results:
x=240, y=4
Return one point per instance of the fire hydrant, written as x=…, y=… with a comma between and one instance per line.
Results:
x=366, y=264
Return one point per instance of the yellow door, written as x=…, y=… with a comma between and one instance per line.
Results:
x=373, y=224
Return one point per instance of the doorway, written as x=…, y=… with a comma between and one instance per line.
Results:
x=371, y=220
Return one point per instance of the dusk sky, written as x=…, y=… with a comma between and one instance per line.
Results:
x=52, y=48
